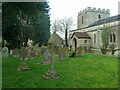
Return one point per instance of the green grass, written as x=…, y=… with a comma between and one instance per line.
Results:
x=89, y=71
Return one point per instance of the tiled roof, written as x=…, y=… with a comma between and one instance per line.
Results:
x=81, y=35
x=113, y=18
x=102, y=21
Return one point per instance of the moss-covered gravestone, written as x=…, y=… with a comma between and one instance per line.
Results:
x=62, y=55
x=46, y=57
x=51, y=74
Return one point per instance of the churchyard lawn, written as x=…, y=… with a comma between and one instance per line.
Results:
x=88, y=71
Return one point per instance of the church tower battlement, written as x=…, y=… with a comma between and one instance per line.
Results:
x=90, y=15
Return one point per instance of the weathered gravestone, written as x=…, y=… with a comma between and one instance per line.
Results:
x=65, y=49
x=42, y=49
x=40, y=53
x=80, y=51
x=33, y=54
x=23, y=66
x=36, y=48
x=11, y=52
x=51, y=48
x=62, y=55
x=58, y=49
x=15, y=53
x=5, y=52
x=46, y=57
x=51, y=74
x=23, y=54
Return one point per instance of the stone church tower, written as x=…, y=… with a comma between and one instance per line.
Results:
x=89, y=16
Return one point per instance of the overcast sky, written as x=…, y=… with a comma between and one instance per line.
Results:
x=70, y=8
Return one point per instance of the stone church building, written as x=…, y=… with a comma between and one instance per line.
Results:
x=90, y=23
x=56, y=39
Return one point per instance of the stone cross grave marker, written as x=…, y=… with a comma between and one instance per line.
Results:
x=5, y=52
x=62, y=55
x=46, y=57
x=51, y=74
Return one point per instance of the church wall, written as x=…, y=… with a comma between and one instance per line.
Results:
x=90, y=16
x=93, y=30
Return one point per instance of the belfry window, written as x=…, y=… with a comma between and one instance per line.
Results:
x=99, y=16
x=114, y=38
x=82, y=19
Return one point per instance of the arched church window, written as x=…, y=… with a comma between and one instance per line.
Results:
x=110, y=37
x=94, y=38
x=114, y=38
x=99, y=16
x=82, y=19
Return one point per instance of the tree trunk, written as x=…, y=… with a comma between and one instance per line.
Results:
x=66, y=38
x=26, y=40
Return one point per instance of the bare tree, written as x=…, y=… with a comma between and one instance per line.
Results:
x=63, y=26
x=56, y=25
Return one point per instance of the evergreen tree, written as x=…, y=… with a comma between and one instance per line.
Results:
x=24, y=20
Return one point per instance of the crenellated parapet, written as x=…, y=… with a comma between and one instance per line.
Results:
x=99, y=10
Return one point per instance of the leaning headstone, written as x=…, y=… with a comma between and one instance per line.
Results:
x=15, y=53
x=46, y=57
x=33, y=54
x=62, y=55
x=5, y=52
x=51, y=74
x=23, y=54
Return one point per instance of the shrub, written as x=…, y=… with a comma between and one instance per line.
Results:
x=89, y=49
x=103, y=50
x=112, y=47
x=105, y=37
